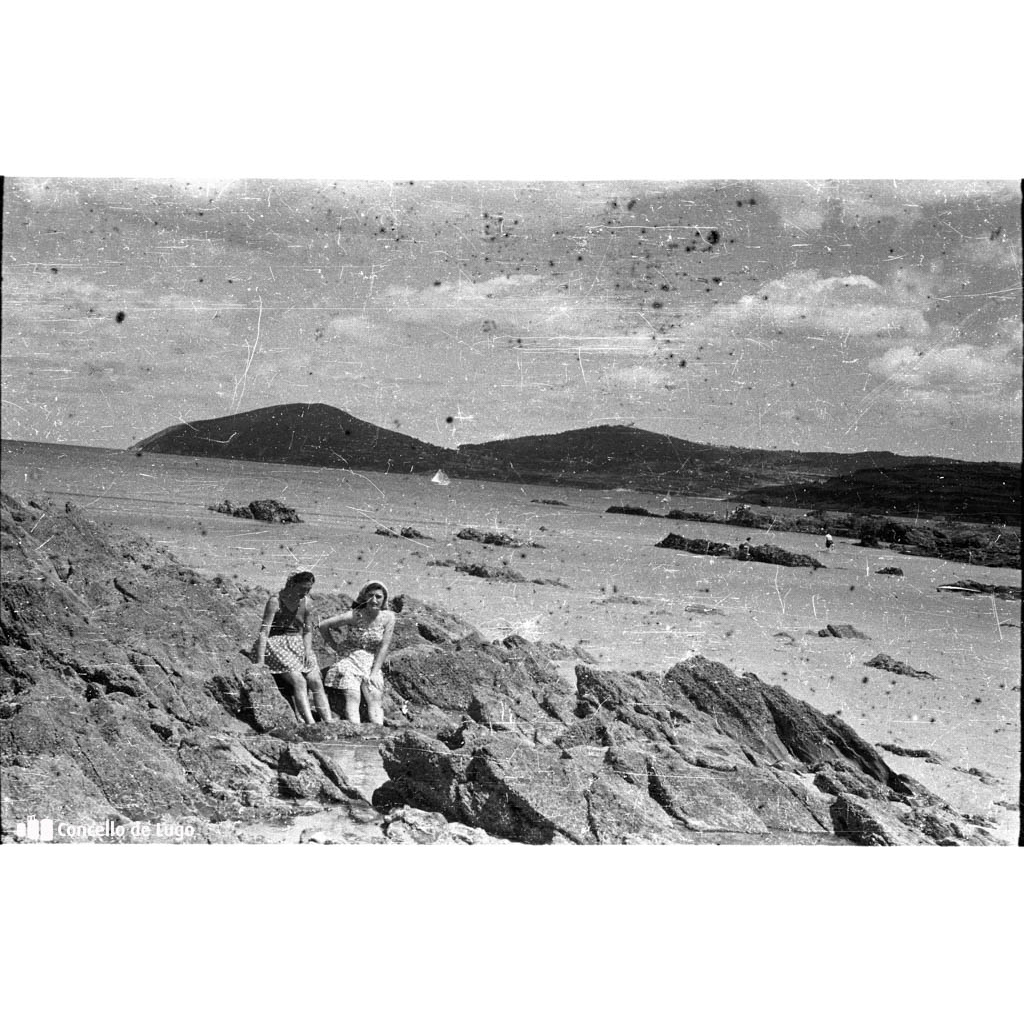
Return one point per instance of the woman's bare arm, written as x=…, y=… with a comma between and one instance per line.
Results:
x=326, y=625
x=382, y=651
x=261, y=640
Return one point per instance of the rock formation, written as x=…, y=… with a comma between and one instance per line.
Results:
x=266, y=510
x=1006, y=593
x=743, y=552
x=843, y=632
x=125, y=698
x=887, y=663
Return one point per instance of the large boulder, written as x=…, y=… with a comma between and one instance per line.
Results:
x=769, y=553
x=697, y=755
x=513, y=789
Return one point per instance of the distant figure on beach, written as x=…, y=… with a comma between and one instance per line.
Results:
x=285, y=645
x=363, y=648
x=828, y=542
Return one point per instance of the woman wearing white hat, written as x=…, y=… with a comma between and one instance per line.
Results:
x=363, y=648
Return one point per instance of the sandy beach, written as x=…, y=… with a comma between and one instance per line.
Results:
x=601, y=582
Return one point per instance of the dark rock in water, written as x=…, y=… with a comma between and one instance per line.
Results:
x=548, y=501
x=889, y=570
x=745, y=552
x=266, y=510
x=630, y=510
x=887, y=663
x=846, y=632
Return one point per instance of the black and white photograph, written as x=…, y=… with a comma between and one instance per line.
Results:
x=534, y=489
x=530, y=512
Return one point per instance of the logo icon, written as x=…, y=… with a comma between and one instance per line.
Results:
x=39, y=830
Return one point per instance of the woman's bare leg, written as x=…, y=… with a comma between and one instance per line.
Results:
x=374, y=693
x=351, y=705
x=316, y=687
x=298, y=681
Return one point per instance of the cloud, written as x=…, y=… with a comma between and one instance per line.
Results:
x=957, y=366
x=853, y=306
x=522, y=310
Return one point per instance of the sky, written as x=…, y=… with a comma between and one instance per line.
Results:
x=787, y=314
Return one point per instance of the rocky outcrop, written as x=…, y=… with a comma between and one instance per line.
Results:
x=843, y=632
x=895, y=748
x=266, y=510
x=744, y=552
x=125, y=698
x=698, y=755
x=406, y=532
x=973, y=543
x=493, y=538
x=887, y=663
x=1006, y=593
x=501, y=573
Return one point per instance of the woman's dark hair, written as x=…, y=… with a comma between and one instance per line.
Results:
x=300, y=577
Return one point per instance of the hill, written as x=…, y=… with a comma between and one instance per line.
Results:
x=304, y=435
x=615, y=457
x=976, y=491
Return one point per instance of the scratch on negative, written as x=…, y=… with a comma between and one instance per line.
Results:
x=252, y=355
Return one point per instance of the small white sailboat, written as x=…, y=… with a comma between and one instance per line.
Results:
x=440, y=477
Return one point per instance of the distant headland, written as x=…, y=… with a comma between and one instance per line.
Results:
x=607, y=457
